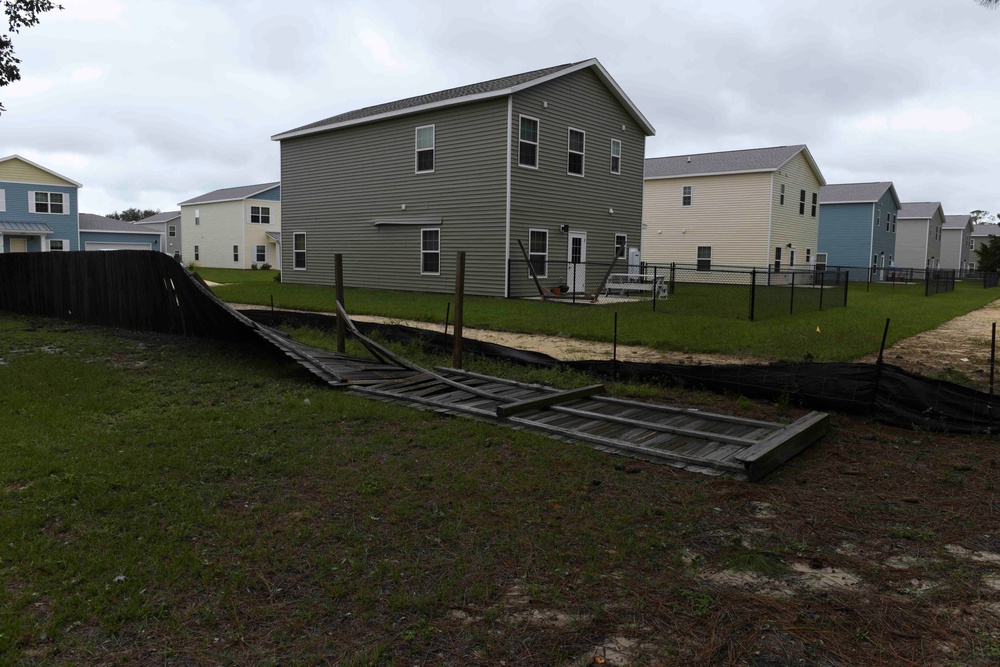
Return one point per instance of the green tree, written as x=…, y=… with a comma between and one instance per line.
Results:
x=988, y=254
x=980, y=216
x=20, y=14
x=132, y=214
x=989, y=4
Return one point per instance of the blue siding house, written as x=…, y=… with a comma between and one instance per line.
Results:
x=100, y=233
x=38, y=208
x=857, y=226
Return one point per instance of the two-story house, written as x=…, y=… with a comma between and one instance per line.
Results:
x=233, y=228
x=167, y=223
x=981, y=235
x=757, y=207
x=956, y=242
x=551, y=158
x=38, y=208
x=857, y=226
x=918, y=236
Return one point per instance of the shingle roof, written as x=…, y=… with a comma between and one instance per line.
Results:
x=749, y=160
x=98, y=223
x=923, y=210
x=482, y=90
x=231, y=194
x=851, y=193
x=165, y=216
x=986, y=230
x=956, y=221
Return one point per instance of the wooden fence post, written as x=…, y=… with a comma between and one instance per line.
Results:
x=456, y=353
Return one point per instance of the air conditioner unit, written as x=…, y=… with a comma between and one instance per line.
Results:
x=634, y=262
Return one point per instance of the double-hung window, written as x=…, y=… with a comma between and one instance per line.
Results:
x=893, y=224
x=56, y=245
x=172, y=231
x=260, y=253
x=802, y=202
x=577, y=142
x=299, y=251
x=538, y=251
x=425, y=149
x=430, y=252
x=236, y=253
x=815, y=202
x=197, y=254
x=616, y=156
x=687, y=192
x=260, y=215
x=781, y=196
x=527, y=149
x=48, y=202
x=621, y=245
x=197, y=217
x=704, y=258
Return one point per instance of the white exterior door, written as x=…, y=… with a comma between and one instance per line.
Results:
x=576, y=270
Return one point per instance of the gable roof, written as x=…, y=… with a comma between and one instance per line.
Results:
x=165, y=216
x=38, y=166
x=231, y=194
x=746, y=161
x=956, y=221
x=986, y=230
x=921, y=210
x=503, y=86
x=90, y=222
x=856, y=193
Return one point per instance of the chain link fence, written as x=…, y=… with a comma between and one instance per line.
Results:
x=726, y=292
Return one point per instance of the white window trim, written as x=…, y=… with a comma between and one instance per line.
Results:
x=537, y=143
x=197, y=253
x=3, y=200
x=688, y=192
x=545, y=263
x=172, y=231
x=260, y=215
x=618, y=143
x=295, y=251
x=417, y=150
x=258, y=249
x=427, y=252
x=197, y=217
x=582, y=154
x=698, y=260
x=624, y=245
x=236, y=253
x=62, y=241
x=781, y=195
x=32, y=202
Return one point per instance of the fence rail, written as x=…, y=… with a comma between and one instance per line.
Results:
x=732, y=292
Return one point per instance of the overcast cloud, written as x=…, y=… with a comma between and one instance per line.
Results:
x=148, y=103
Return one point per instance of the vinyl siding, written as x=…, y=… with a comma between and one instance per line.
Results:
x=120, y=237
x=915, y=242
x=845, y=234
x=883, y=241
x=728, y=212
x=21, y=172
x=955, y=253
x=221, y=228
x=64, y=226
x=336, y=185
x=256, y=234
x=547, y=197
x=788, y=226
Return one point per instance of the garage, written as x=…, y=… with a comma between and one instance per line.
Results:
x=101, y=245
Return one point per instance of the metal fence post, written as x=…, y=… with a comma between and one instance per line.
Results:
x=847, y=281
x=791, y=299
x=753, y=290
x=822, y=287
x=572, y=287
x=653, y=288
x=673, y=278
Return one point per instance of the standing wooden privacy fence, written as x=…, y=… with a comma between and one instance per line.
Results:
x=131, y=289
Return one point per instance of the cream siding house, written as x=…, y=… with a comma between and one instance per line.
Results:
x=757, y=207
x=233, y=228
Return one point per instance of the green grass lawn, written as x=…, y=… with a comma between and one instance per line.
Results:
x=182, y=502
x=691, y=325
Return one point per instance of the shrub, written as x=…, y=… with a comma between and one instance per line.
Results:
x=265, y=266
x=277, y=277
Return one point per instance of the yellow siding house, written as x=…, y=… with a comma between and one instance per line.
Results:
x=756, y=207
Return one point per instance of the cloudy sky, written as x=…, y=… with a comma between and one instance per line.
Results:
x=151, y=102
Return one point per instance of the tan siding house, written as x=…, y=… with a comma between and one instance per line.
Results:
x=738, y=208
x=233, y=228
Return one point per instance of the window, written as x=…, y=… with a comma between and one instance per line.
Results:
x=172, y=231
x=874, y=261
x=621, y=245
x=777, y=259
x=704, y=258
x=3, y=200
x=821, y=261
x=538, y=251
x=56, y=245
x=260, y=253
x=48, y=202
x=197, y=255
x=878, y=221
x=577, y=140
x=527, y=150
x=802, y=202
x=890, y=261
x=236, y=253
x=808, y=252
x=616, y=156
x=430, y=251
x=893, y=224
x=881, y=259
x=686, y=193
x=425, y=149
x=972, y=243
x=888, y=220
x=781, y=197
x=815, y=202
x=299, y=251
x=260, y=215
x=791, y=257
x=197, y=217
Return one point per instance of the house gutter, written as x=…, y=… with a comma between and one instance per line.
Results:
x=871, y=236
x=506, y=252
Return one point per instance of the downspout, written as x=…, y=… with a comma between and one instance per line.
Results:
x=506, y=252
x=871, y=235
x=243, y=228
x=770, y=225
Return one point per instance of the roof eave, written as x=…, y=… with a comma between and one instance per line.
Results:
x=711, y=173
x=38, y=166
x=812, y=163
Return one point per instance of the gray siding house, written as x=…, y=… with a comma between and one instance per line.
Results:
x=918, y=236
x=552, y=157
x=956, y=242
x=169, y=224
x=981, y=235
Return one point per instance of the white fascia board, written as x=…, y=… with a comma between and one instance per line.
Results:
x=116, y=231
x=812, y=163
x=38, y=166
x=847, y=201
x=711, y=173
